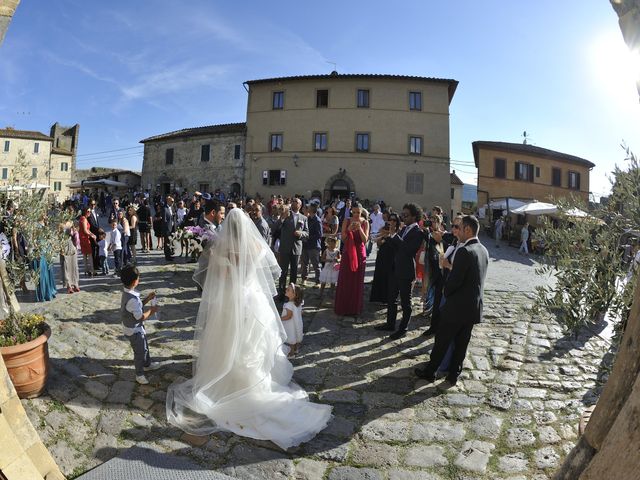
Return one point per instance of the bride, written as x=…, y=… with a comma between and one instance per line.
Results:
x=241, y=377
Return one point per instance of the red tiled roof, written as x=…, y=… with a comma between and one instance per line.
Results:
x=528, y=149
x=206, y=130
x=453, y=84
x=27, y=134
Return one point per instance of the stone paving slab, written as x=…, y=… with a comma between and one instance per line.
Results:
x=514, y=412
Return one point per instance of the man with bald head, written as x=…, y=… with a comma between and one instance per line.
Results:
x=291, y=231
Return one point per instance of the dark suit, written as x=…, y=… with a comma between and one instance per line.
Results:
x=463, y=292
x=403, y=273
x=168, y=226
x=290, y=245
x=94, y=227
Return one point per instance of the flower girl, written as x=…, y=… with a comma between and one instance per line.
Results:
x=331, y=269
x=292, y=318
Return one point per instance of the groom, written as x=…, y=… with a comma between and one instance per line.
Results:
x=212, y=218
x=291, y=231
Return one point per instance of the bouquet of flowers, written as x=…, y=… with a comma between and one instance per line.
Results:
x=196, y=238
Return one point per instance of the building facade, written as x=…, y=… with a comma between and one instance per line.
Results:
x=376, y=137
x=456, y=194
x=527, y=172
x=50, y=159
x=204, y=158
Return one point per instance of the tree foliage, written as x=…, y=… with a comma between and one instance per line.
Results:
x=586, y=257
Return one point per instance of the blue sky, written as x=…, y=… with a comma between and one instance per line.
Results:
x=126, y=70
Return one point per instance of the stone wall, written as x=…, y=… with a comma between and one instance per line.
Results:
x=22, y=454
x=7, y=9
x=187, y=170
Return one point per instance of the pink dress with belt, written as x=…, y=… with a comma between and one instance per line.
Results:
x=350, y=290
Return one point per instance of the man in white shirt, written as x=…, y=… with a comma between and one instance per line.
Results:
x=377, y=223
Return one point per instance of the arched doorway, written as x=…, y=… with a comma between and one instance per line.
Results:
x=339, y=185
x=236, y=190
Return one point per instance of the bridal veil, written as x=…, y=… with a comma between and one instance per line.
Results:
x=241, y=377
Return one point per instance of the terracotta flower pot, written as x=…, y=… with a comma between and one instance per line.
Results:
x=28, y=365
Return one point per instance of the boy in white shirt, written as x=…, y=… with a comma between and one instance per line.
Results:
x=115, y=244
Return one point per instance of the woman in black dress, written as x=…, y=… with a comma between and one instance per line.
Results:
x=157, y=225
x=384, y=263
x=144, y=226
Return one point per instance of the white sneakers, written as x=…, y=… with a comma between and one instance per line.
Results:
x=141, y=379
x=152, y=366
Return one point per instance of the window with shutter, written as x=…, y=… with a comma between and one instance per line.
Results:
x=500, y=168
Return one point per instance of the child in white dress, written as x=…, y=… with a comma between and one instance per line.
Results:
x=292, y=318
x=331, y=269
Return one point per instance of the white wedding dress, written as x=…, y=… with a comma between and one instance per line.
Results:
x=241, y=377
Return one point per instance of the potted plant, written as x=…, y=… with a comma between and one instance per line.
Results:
x=24, y=349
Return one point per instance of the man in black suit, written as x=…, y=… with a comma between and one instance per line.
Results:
x=94, y=227
x=463, y=305
x=403, y=271
x=291, y=231
x=168, y=226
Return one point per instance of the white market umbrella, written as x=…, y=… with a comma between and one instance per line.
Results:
x=96, y=183
x=11, y=188
x=37, y=186
x=536, y=208
x=501, y=204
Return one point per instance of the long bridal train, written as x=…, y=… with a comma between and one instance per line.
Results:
x=241, y=377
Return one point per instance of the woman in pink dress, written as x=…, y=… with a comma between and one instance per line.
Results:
x=350, y=290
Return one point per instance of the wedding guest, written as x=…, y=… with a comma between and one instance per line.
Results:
x=331, y=260
x=94, y=226
x=85, y=242
x=103, y=253
x=144, y=226
x=157, y=225
x=291, y=231
x=377, y=223
x=462, y=309
x=132, y=315
x=261, y=224
x=168, y=227
x=311, y=246
x=330, y=225
x=406, y=243
x=69, y=259
x=132, y=217
x=350, y=289
x=125, y=230
x=214, y=213
x=115, y=245
x=384, y=262
x=292, y=318
x=524, y=238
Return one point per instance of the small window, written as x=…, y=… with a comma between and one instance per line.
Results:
x=274, y=177
x=452, y=193
x=276, y=142
x=57, y=186
x=236, y=152
x=7, y=144
x=414, y=183
x=34, y=172
x=5, y=173
x=278, y=100
x=205, y=152
x=168, y=156
x=524, y=172
x=64, y=166
x=415, y=145
x=322, y=98
x=500, y=168
x=556, y=177
x=537, y=172
x=363, y=98
x=36, y=147
x=362, y=142
x=415, y=100
x=574, y=180
x=319, y=142
x=203, y=187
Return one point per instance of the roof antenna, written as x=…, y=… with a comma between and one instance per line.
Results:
x=526, y=136
x=335, y=67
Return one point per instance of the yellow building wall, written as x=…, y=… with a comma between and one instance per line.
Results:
x=540, y=189
x=380, y=173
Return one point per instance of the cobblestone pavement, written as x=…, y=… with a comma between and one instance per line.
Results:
x=513, y=415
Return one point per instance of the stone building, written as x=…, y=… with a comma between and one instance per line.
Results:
x=372, y=136
x=456, y=194
x=51, y=158
x=203, y=158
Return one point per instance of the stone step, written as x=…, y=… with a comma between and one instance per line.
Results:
x=142, y=462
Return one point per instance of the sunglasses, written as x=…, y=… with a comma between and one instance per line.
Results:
x=455, y=226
